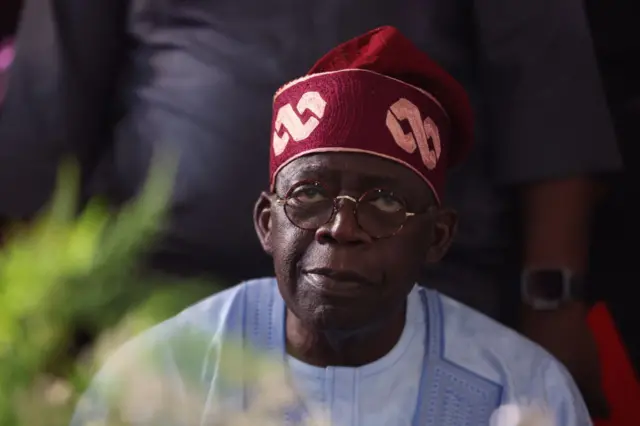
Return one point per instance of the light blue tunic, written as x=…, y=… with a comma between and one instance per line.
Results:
x=451, y=367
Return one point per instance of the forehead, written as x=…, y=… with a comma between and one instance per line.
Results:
x=352, y=171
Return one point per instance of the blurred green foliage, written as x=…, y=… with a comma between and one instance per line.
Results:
x=68, y=270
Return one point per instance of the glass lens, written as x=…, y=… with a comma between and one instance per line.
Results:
x=380, y=213
x=309, y=206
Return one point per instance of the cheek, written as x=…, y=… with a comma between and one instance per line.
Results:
x=289, y=245
x=409, y=256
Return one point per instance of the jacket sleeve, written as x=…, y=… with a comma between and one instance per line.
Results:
x=546, y=108
x=59, y=99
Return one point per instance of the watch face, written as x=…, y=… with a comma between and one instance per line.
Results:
x=546, y=288
x=546, y=285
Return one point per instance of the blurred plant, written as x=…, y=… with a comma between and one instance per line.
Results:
x=523, y=414
x=66, y=269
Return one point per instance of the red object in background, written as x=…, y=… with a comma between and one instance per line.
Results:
x=621, y=386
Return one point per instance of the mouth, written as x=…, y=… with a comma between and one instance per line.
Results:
x=337, y=282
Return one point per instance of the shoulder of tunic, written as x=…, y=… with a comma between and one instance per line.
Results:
x=527, y=372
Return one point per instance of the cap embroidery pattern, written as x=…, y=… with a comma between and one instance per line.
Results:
x=294, y=126
x=420, y=134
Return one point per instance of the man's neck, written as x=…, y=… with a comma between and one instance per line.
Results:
x=325, y=348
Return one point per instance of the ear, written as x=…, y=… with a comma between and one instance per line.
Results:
x=445, y=226
x=262, y=221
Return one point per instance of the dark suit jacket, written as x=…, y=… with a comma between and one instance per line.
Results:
x=107, y=80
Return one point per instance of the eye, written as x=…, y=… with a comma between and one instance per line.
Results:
x=308, y=194
x=385, y=201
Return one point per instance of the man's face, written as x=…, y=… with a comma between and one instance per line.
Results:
x=336, y=274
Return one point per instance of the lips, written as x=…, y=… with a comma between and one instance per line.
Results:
x=337, y=282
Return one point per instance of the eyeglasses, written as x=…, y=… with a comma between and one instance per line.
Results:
x=379, y=212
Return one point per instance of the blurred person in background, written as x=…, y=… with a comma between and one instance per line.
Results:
x=108, y=81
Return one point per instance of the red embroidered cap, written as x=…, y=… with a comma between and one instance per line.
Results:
x=376, y=94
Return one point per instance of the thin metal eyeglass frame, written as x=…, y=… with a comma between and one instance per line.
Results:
x=282, y=201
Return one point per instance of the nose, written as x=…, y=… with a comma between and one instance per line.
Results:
x=343, y=228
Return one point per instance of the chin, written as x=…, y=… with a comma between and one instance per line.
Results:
x=328, y=318
x=330, y=314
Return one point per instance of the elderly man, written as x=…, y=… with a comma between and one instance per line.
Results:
x=359, y=151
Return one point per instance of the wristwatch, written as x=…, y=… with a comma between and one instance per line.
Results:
x=550, y=288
